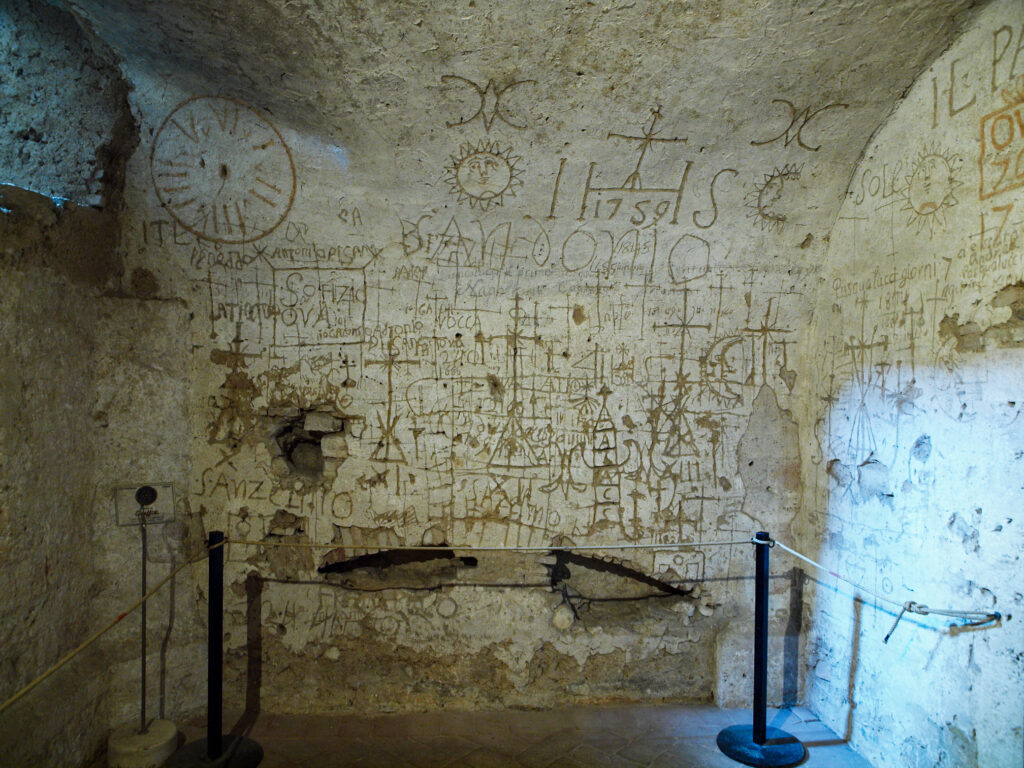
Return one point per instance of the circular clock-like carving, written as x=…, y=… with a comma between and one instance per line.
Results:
x=222, y=171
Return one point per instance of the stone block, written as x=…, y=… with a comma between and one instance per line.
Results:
x=317, y=421
x=334, y=446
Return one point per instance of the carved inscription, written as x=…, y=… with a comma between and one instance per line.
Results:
x=222, y=170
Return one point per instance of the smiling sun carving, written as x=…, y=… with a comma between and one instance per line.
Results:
x=483, y=174
x=930, y=190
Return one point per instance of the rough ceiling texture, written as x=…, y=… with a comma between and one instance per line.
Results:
x=358, y=72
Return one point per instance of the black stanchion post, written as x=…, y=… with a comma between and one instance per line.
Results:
x=215, y=649
x=757, y=744
x=760, y=637
x=240, y=751
x=145, y=496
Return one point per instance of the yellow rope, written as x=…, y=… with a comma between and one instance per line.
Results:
x=92, y=639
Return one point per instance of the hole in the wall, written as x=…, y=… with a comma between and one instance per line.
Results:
x=299, y=440
x=306, y=457
x=301, y=450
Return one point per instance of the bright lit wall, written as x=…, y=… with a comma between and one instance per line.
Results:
x=913, y=471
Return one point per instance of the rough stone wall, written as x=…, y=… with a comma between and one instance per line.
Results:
x=407, y=274
x=47, y=490
x=913, y=457
x=57, y=94
x=496, y=290
x=93, y=396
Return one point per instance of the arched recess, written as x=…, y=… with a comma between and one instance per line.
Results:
x=913, y=447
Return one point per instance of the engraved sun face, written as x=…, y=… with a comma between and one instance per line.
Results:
x=767, y=202
x=930, y=190
x=483, y=174
x=222, y=171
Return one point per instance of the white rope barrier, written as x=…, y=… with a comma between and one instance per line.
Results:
x=94, y=637
x=477, y=548
x=906, y=607
x=975, y=617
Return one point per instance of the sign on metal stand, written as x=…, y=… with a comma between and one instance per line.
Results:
x=142, y=506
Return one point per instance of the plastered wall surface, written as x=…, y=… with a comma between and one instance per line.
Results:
x=430, y=275
x=471, y=301
x=913, y=458
x=466, y=369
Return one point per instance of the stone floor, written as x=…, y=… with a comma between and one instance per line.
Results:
x=664, y=736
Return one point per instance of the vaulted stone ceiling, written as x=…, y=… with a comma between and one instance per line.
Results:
x=731, y=77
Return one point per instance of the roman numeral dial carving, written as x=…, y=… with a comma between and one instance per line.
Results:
x=222, y=170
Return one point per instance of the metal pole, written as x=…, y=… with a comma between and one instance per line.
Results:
x=215, y=649
x=241, y=752
x=142, y=708
x=760, y=637
x=757, y=744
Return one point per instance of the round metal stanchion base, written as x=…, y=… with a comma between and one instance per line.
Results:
x=779, y=750
x=238, y=753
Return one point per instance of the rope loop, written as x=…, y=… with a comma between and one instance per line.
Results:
x=917, y=608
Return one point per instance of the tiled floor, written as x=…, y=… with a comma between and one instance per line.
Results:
x=668, y=736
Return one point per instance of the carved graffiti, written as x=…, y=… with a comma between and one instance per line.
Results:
x=798, y=122
x=222, y=171
x=490, y=107
x=484, y=174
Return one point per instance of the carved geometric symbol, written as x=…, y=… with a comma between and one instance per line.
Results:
x=648, y=137
x=222, y=171
x=766, y=202
x=490, y=108
x=797, y=123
